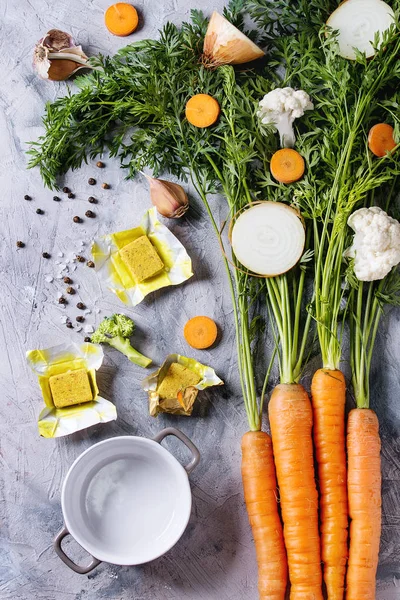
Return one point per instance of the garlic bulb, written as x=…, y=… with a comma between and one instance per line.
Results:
x=224, y=44
x=56, y=57
x=169, y=198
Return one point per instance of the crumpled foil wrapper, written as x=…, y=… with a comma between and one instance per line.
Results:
x=184, y=404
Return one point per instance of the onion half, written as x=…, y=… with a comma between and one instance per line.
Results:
x=224, y=44
x=268, y=238
x=358, y=21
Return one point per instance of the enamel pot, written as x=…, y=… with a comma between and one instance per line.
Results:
x=126, y=500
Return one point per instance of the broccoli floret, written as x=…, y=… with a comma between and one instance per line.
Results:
x=116, y=331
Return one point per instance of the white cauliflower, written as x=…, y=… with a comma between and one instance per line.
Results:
x=376, y=243
x=280, y=108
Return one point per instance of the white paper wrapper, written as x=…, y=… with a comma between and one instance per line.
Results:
x=56, y=422
x=114, y=273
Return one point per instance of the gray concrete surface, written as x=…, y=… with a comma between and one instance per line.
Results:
x=215, y=558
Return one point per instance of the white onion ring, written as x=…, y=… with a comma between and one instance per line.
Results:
x=358, y=21
x=268, y=238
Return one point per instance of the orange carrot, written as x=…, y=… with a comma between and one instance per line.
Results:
x=200, y=332
x=121, y=18
x=260, y=493
x=202, y=110
x=328, y=392
x=290, y=417
x=380, y=139
x=364, y=490
x=287, y=165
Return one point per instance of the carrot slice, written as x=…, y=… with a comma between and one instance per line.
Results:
x=287, y=165
x=328, y=395
x=290, y=417
x=121, y=18
x=364, y=490
x=380, y=139
x=200, y=332
x=260, y=494
x=202, y=110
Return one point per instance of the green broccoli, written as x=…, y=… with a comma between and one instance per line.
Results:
x=116, y=331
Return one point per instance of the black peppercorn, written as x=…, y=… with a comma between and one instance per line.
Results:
x=70, y=290
x=80, y=258
x=69, y=324
x=20, y=244
x=77, y=220
x=26, y=197
x=80, y=319
x=39, y=211
x=45, y=255
x=90, y=264
x=71, y=195
x=92, y=200
x=56, y=198
x=87, y=339
x=90, y=214
x=91, y=181
x=62, y=300
x=66, y=190
x=105, y=186
x=100, y=164
x=81, y=306
x=67, y=280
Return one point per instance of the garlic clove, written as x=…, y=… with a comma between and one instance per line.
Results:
x=169, y=198
x=60, y=70
x=224, y=44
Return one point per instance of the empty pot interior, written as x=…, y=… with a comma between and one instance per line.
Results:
x=127, y=500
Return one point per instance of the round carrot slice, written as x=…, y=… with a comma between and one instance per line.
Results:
x=200, y=332
x=380, y=139
x=202, y=110
x=287, y=165
x=121, y=18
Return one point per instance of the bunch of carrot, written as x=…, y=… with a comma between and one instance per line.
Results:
x=292, y=417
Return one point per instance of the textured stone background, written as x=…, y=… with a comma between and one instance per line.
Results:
x=215, y=558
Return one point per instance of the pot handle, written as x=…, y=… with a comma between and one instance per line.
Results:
x=70, y=563
x=188, y=443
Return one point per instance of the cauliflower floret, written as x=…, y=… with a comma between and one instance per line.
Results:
x=280, y=108
x=376, y=243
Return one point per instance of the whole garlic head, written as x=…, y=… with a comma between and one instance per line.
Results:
x=58, y=45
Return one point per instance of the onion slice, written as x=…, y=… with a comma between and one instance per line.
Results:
x=224, y=44
x=358, y=22
x=268, y=238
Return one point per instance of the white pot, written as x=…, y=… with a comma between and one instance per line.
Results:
x=126, y=500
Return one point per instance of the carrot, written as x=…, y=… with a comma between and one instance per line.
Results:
x=121, y=18
x=200, y=332
x=290, y=416
x=328, y=392
x=287, y=165
x=202, y=110
x=259, y=483
x=364, y=490
x=380, y=139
